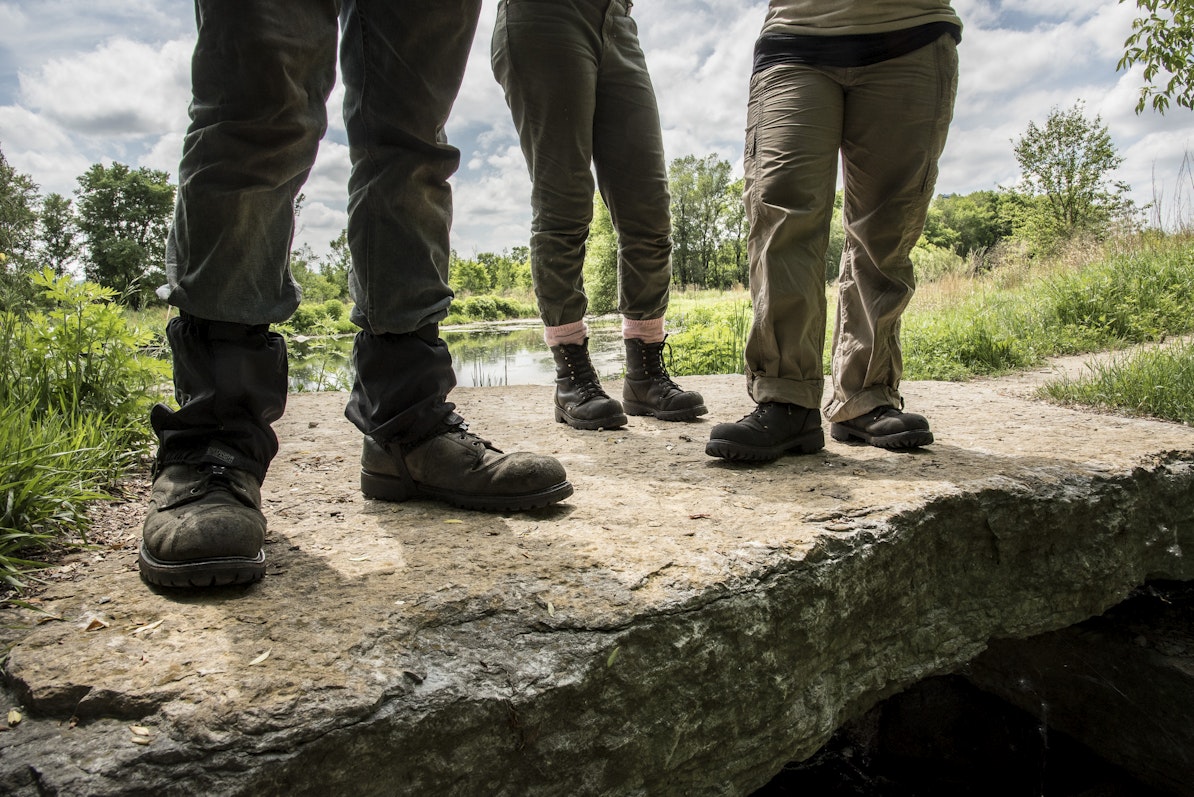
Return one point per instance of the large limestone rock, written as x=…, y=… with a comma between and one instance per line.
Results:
x=680, y=626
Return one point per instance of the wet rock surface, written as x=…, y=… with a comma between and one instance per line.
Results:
x=680, y=625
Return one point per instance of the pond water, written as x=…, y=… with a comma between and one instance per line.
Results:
x=483, y=355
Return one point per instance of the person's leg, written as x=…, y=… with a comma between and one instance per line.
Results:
x=546, y=58
x=632, y=175
x=402, y=64
x=261, y=73
x=896, y=121
x=793, y=136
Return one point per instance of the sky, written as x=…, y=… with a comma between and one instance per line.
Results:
x=102, y=81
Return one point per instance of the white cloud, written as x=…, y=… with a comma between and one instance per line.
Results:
x=86, y=81
x=121, y=89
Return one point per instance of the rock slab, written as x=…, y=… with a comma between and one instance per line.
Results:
x=680, y=626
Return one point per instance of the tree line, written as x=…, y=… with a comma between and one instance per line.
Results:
x=113, y=229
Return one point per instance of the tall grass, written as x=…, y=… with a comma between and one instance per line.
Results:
x=1088, y=299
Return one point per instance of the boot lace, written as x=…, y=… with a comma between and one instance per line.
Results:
x=581, y=372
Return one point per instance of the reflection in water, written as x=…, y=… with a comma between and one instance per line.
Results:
x=483, y=355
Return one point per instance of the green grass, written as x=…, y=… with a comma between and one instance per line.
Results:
x=1158, y=383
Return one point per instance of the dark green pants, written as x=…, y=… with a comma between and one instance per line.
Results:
x=577, y=85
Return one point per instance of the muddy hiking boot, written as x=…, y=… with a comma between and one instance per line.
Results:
x=648, y=390
x=580, y=401
x=204, y=528
x=459, y=468
x=771, y=431
x=885, y=427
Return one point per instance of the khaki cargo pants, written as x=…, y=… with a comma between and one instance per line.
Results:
x=889, y=123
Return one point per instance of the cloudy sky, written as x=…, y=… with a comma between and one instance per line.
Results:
x=87, y=81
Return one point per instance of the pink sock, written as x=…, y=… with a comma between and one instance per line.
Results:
x=566, y=334
x=648, y=330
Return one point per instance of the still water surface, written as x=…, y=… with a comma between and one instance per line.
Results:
x=483, y=355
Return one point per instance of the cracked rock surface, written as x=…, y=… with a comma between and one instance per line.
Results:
x=680, y=625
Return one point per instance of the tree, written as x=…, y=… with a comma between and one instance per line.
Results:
x=601, y=261
x=1162, y=39
x=337, y=264
x=18, y=218
x=58, y=233
x=966, y=223
x=1067, y=163
x=124, y=215
x=732, y=254
x=699, y=207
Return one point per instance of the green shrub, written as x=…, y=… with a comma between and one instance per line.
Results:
x=76, y=384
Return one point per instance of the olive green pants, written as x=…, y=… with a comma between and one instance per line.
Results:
x=888, y=122
x=577, y=85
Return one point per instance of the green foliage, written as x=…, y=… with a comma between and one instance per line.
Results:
x=932, y=262
x=707, y=223
x=1134, y=296
x=508, y=272
x=966, y=223
x=1162, y=40
x=1154, y=382
x=75, y=390
x=837, y=240
x=488, y=308
x=80, y=357
x=712, y=334
x=601, y=261
x=1067, y=163
x=983, y=335
x=315, y=285
x=124, y=215
x=18, y=218
x=59, y=233
x=1140, y=293
x=469, y=276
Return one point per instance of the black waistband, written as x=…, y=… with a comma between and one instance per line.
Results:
x=846, y=51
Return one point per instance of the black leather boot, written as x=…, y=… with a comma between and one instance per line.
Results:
x=580, y=402
x=771, y=431
x=204, y=526
x=649, y=390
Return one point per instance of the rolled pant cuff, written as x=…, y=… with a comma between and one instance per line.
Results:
x=838, y=411
x=802, y=393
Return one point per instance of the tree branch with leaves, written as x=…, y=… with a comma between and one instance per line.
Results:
x=1162, y=41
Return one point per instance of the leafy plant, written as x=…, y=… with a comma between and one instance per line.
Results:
x=76, y=383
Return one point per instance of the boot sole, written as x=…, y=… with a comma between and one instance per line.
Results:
x=913, y=438
x=591, y=424
x=217, y=571
x=808, y=443
x=388, y=488
x=686, y=414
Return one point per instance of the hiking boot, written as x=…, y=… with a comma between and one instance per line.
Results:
x=204, y=528
x=580, y=402
x=772, y=430
x=648, y=390
x=885, y=427
x=459, y=468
